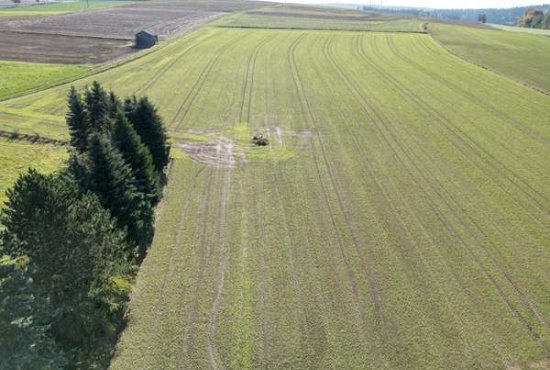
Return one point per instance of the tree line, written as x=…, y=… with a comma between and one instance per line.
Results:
x=508, y=16
x=73, y=240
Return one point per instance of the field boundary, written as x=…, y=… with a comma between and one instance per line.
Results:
x=436, y=39
x=276, y=28
x=33, y=139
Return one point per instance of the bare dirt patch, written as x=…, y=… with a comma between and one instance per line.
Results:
x=220, y=153
x=60, y=49
x=121, y=22
x=93, y=36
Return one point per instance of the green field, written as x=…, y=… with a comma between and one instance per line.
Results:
x=58, y=8
x=522, y=57
x=243, y=20
x=18, y=156
x=535, y=31
x=397, y=220
x=18, y=78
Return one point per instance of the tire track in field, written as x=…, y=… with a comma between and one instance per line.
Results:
x=516, y=312
x=354, y=135
x=404, y=240
x=263, y=269
x=168, y=66
x=169, y=272
x=204, y=240
x=468, y=96
x=535, y=135
x=411, y=96
x=199, y=83
x=248, y=86
x=223, y=255
x=380, y=117
x=471, y=98
x=380, y=319
x=502, y=142
x=434, y=113
x=431, y=113
x=457, y=205
x=416, y=217
x=459, y=60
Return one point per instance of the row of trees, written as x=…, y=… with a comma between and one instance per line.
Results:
x=75, y=238
x=493, y=15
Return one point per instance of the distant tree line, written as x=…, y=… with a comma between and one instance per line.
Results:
x=74, y=239
x=535, y=18
x=501, y=16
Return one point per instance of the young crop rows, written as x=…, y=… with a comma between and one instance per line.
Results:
x=398, y=218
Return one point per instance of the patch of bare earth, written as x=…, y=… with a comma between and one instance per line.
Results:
x=93, y=36
x=220, y=153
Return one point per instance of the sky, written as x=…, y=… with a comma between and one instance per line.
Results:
x=448, y=4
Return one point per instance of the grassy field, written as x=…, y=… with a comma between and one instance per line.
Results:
x=397, y=220
x=243, y=20
x=18, y=156
x=520, y=56
x=18, y=78
x=534, y=31
x=58, y=8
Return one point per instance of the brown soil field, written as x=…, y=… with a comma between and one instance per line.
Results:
x=96, y=36
x=44, y=48
x=121, y=22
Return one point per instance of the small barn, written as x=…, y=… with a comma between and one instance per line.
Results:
x=146, y=39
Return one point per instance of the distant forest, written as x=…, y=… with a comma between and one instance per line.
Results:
x=509, y=16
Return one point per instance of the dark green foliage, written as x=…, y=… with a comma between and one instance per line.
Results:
x=25, y=321
x=77, y=121
x=77, y=233
x=148, y=124
x=112, y=180
x=98, y=107
x=138, y=157
x=114, y=105
x=73, y=246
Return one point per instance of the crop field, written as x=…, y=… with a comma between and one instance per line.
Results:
x=522, y=57
x=58, y=8
x=120, y=22
x=95, y=36
x=397, y=220
x=18, y=78
x=243, y=20
x=17, y=156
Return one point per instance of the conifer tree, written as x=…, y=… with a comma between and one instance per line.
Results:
x=97, y=104
x=77, y=121
x=149, y=126
x=137, y=155
x=112, y=180
x=114, y=105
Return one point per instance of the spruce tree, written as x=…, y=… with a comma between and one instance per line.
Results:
x=149, y=126
x=77, y=120
x=136, y=154
x=112, y=180
x=114, y=105
x=97, y=104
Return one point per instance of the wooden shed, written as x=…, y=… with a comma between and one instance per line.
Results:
x=146, y=39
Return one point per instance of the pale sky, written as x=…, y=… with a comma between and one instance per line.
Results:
x=433, y=3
